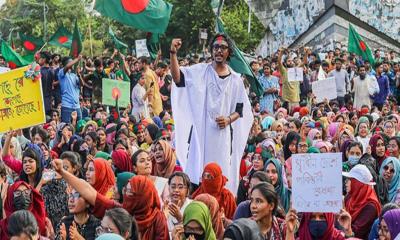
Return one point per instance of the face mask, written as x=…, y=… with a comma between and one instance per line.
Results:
x=22, y=202
x=353, y=160
x=317, y=228
x=315, y=142
x=195, y=235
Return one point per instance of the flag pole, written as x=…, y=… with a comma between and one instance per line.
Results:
x=90, y=37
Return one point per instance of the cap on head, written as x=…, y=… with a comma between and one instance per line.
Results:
x=361, y=173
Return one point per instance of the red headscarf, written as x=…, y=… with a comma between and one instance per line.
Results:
x=359, y=196
x=168, y=167
x=122, y=160
x=374, y=142
x=144, y=204
x=331, y=232
x=216, y=214
x=105, y=178
x=216, y=188
x=37, y=208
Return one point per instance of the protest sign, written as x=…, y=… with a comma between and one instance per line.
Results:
x=295, y=74
x=141, y=48
x=21, y=101
x=113, y=89
x=317, y=182
x=324, y=89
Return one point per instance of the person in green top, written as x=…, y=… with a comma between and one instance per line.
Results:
x=197, y=223
x=290, y=90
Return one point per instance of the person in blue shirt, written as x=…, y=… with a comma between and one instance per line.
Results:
x=383, y=82
x=70, y=88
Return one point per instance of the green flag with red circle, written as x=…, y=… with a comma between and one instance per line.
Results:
x=76, y=45
x=30, y=43
x=147, y=15
x=358, y=46
x=13, y=59
x=61, y=38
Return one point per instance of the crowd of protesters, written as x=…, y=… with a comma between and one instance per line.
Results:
x=99, y=172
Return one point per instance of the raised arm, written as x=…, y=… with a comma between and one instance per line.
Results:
x=125, y=64
x=175, y=72
x=72, y=63
x=80, y=185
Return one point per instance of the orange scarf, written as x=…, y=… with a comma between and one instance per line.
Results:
x=167, y=168
x=105, y=179
x=215, y=211
x=144, y=205
x=216, y=188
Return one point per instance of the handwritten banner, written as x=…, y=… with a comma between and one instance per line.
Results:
x=324, y=89
x=21, y=101
x=317, y=182
x=295, y=74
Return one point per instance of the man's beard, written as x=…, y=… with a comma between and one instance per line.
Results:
x=362, y=77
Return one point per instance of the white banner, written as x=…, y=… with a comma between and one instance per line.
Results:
x=317, y=182
x=141, y=48
x=324, y=89
x=295, y=74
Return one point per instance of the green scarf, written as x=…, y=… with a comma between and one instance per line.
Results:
x=122, y=180
x=200, y=213
x=280, y=189
x=103, y=155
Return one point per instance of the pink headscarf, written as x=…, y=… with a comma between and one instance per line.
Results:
x=322, y=144
x=312, y=133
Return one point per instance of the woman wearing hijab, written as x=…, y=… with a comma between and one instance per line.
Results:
x=100, y=175
x=122, y=180
x=243, y=229
x=362, y=132
x=196, y=222
x=274, y=170
x=378, y=149
x=317, y=226
x=390, y=225
x=213, y=183
x=164, y=159
x=22, y=196
x=216, y=213
x=361, y=200
x=390, y=171
x=314, y=135
x=290, y=146
x=142, y=202
x=121, y=161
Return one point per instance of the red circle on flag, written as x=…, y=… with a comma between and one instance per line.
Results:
x=116, y=93
x=62, y=39
x=28, y=45
x=134, y=6
x=363, y=46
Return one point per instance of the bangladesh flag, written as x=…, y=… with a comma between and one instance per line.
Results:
x=146, y=15
x=358, y=46
x=30, y=43
x=121, y=46
x=61, y=38
x=153, y=44
x=14, y=59
x=76, y=46
x=239, y=64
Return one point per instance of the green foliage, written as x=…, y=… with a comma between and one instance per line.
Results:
x=187, y=18
x=97, y=45
x=235, y=17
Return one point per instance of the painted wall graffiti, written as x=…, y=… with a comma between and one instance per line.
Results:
x=384, y=15
x=292, y=21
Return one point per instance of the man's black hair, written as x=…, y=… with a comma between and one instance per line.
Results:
x=65, y=60
x=144, y=60
x=46, y=56
x=98, y=63
x=227, y=39
x=253, y=62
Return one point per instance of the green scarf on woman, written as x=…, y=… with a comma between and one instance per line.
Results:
x=280, y=189
x=199, y=212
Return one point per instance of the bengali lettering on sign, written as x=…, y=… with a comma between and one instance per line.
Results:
x=21, y=101
x=317, y=182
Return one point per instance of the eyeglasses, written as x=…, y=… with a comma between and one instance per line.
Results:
x=386, y=168
x=103, y=230
x=216, y=47
x=26, y=192
x=74, y=195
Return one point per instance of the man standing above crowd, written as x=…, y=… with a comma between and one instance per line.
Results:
x=341, y=79
x=290, y=90
x=70, y=88
x=211, y=111
x=47, y=80
x=151, y=82
x=383, y=82
x=364, y=88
